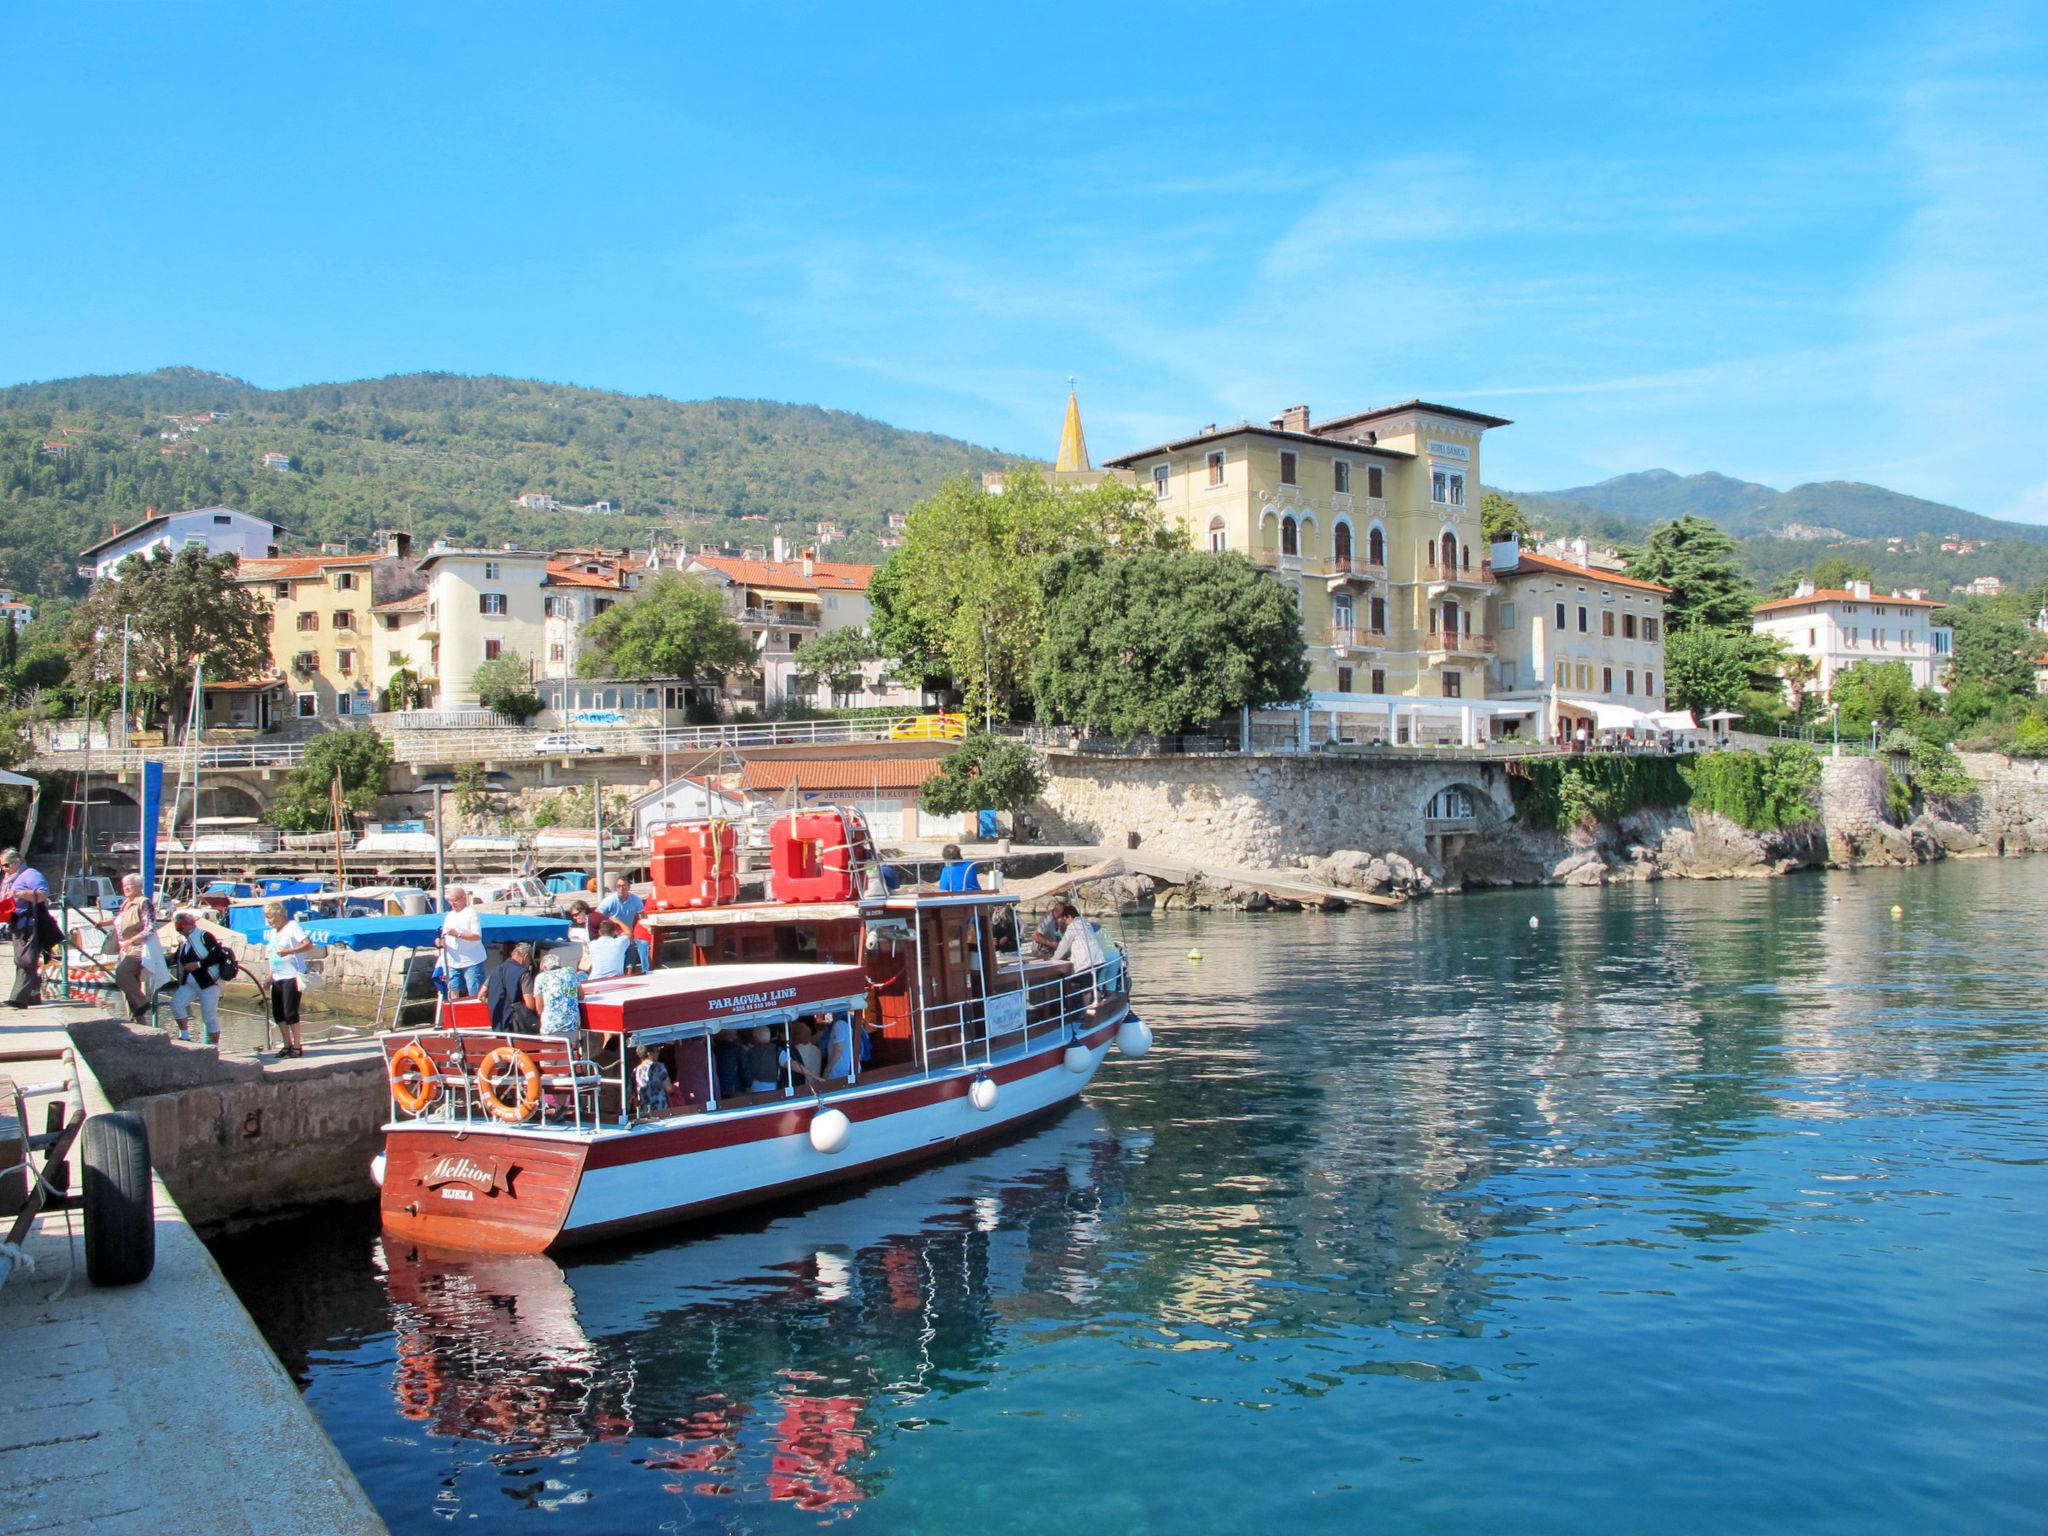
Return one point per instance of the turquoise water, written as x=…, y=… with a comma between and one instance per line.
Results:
x=1696, y=1207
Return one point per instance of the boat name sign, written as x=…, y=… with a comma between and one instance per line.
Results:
x=451, y=1168
x=750, y=1002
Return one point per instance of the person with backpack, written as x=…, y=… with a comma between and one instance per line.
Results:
x=201, y=963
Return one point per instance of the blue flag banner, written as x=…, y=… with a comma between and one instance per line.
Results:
x=152, y=808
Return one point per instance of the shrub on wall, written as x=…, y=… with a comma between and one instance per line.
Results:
x=1565, y=792
x=1762, y=791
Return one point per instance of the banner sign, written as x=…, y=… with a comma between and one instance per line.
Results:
x=152, y=809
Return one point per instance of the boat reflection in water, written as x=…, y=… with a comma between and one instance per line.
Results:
x=759, y=1363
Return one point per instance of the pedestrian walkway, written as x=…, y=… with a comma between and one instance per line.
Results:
x=151, y=1408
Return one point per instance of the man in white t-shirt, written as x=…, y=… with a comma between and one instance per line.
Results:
x=462, y=945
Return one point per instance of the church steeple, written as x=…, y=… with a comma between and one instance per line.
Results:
x=1073, y=445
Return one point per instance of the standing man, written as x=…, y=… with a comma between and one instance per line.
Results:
x=626, y=907
x=197, y=965
x=26, y=926
x=462, y=945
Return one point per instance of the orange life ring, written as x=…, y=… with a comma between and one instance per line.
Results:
x=490, y=1075
x=414, y=1081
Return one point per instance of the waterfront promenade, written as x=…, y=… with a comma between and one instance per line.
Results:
x=153, y=1407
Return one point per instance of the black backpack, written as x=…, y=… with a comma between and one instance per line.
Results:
x=223, y=959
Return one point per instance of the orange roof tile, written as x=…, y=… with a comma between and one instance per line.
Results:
x=856, y=774
x=408, y=604
x=826, y=575
x=1838, y=595
x=568, y=573
x=1530, y=560
x=295, y=567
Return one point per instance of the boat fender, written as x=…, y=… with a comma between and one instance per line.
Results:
x=982, y=1094
x=1134, y=1037
x=1079, y=1058
x=508, y=1067
x=377, y=1170
x=830, y=1130
x=414, y=1082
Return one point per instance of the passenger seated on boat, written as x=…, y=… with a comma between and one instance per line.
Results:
x=1045, y=938
x=810, y=1061
x=763, y=1061
x=650, y=1082
x=1003, y=930
x=510, y=994
x=608, y=952
x=1080, y=946
x=729, y=1063
x=557, y=992
x=959, y=874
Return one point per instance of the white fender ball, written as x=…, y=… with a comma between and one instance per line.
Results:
x=1079, y=1059
x=377, y=1170
x=1535, y=922
x=830, y=1130
x=982, y=1094
x=1134, y=1036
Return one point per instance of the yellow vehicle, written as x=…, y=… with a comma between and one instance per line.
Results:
x=929, y=728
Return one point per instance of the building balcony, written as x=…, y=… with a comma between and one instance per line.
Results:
x=1348, y=637
x=1438, y=576
x=1348, y=568
x=779, y=618
x=1438, y=646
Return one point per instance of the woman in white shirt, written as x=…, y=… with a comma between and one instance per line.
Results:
x=288, y=947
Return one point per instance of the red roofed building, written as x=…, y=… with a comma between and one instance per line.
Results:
x=1580, y=645
x=1839, y=627
x=783, y=603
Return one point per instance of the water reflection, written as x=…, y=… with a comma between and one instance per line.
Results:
x=760, y=1362
x=1408, y=1207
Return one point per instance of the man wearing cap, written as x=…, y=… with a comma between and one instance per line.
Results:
x=197, y=964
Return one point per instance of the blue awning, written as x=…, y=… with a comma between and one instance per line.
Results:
x=419, y=932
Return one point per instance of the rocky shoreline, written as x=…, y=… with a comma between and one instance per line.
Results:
x=2006, y=816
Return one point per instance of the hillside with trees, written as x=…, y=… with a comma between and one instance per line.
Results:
x=444, y=455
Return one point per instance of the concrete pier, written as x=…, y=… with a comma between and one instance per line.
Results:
x=153, y=1407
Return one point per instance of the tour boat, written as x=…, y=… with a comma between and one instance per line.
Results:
x=525, y=1143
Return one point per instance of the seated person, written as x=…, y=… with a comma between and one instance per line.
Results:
x=959, y=874
x=509, y=997
x=1045, y=938
x=606, y=955
x=764, y=1062
x=728, y=1063
x=803, y=1042
x=1003, y=929
x=650, y=1082
x=557, y=994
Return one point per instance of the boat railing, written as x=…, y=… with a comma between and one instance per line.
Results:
x=461, y=1063
x=974, y=1032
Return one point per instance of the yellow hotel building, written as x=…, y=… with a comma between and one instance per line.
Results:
x=1372, y=519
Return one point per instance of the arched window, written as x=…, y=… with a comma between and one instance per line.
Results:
x=1218, y=539
x=1450, y=553
x=1290, y=537
x=1376, y=547
x=1340, y=545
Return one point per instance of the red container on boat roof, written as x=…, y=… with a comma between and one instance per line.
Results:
x=696, y=865
x=818, y=856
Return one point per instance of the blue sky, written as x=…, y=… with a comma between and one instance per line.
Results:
x=1787, y=243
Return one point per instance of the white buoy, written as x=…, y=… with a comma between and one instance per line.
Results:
x=1134, y=1037
x=377, y=1170
x=1535, y=922
x=982, y=1094
x=1195, y=954
x=1079, y=1059
x=829, y=1130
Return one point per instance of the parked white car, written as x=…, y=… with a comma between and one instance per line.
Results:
x=564, y=744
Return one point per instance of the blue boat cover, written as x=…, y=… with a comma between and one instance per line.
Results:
x=278, y=885
x=570, y=882
x=420, y=931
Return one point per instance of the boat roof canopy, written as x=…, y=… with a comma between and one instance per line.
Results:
x=419, y=930
x=700, y=999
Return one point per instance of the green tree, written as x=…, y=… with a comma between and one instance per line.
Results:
x=403, y=690
x=901, y=633
x=1994, y=649
x=1701, y=566
x=971, y=564
x=675, y=626
x=182, y=610
x=1162, y=641
x=1836, y=572
x=1706, y=669
x=1874, y=691
x=838, y=657
x=1500, y=516
x=984, y=772
x=505, y=684
x=360, y=756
